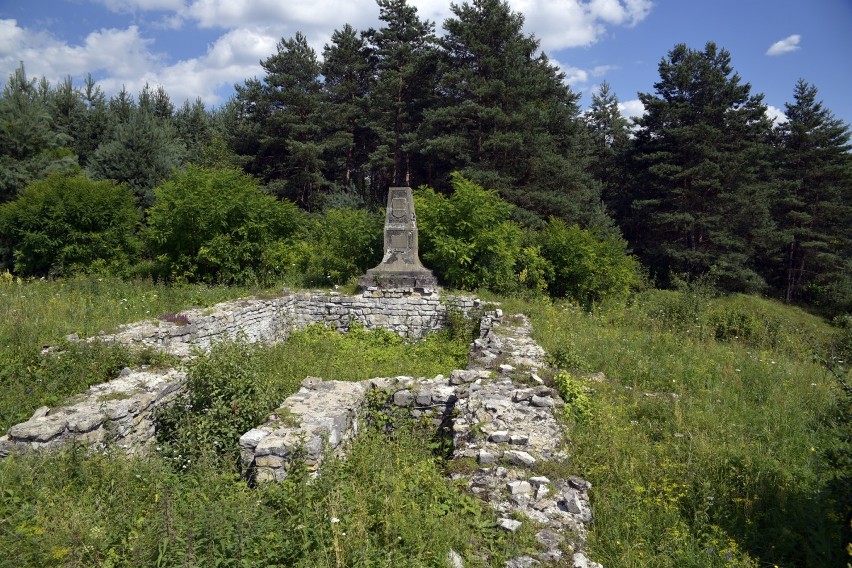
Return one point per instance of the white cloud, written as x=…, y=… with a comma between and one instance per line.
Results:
x=571, y=23
x=632, y=109
x=130, y=6
x=786, y=45
x=251, y=29
x=121, y=53
x=776, y=115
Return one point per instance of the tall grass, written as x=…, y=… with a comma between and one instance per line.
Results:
x=719, y=437
x=710, y=441
x=387, y=504
x=36, y=313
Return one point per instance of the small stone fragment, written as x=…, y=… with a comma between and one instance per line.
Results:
x=486, y=458
x=518, y=457
x=519, y=487
x=519, y=439
x=510, y=525
x=541, y=401
x=403, y=398
x=499, y=437
x=454, y=560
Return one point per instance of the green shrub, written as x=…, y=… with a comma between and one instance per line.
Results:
x=214, y=225
x=578, y=405
x=341, y=244
x=586, y=268
x=224, y=398
x=467, y=238
x=67, y=223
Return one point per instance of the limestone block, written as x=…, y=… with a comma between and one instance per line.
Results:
x=39, y=430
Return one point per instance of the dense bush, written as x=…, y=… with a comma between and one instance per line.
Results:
x=214, y=225
x=341, y=244
x=585, y=268
x=470, y=242
x=467, y=238
x=65, y=223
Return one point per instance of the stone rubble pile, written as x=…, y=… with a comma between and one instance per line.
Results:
x=502, y=414
x=507, y=426
x=503, y=423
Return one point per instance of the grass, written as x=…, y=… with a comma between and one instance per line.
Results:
x=714, y=440
x=37, y=313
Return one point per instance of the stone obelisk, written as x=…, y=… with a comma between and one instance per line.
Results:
x=400, y=268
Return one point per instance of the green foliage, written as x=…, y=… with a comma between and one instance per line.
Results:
x=99, y=510
x=586, y=268
x=814, y=209
x=578, y=405
x=214, y=225
x=32, y=144
x=224, y=398
x=468, y=238
x=30, y=380
x=340, y=245
x=40, y=312
x=706, y=452
x=237, y=385
x=141, y=152
x=702, y=177
x=64, y=224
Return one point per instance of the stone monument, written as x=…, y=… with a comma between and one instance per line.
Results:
x=400, y=268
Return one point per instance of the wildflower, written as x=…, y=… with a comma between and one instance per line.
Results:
x=334, y=520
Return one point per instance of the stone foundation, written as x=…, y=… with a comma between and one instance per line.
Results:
x=500, y=412
x=120, y=412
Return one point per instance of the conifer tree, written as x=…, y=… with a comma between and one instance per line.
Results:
x=194, y=127
x=141, y=152
x=815, y=207
x=610, y=138
x=506, y=118
x=31, y=144
x=286, y=110
x=703, y=181
x=405, y=55
x=347, y=72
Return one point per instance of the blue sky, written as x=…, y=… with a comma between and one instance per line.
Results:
x=200, y=48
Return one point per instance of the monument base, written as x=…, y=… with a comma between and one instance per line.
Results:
x=397, y=280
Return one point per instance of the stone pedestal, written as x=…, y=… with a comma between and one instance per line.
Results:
x=400, y=268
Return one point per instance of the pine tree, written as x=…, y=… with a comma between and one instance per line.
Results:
x=347, y=71
x=703, y=181
x=141, y=152
x=815, y=208
x=194, y=127
x=94, y=125
x=405, y=55
x=31, y=145
x=610, y=137
x=506, y=119
x=286, y=108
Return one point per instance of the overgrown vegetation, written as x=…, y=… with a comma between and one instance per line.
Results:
x=39, y=313
x=187, y=503
x=719, y=437
x=238, y=385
